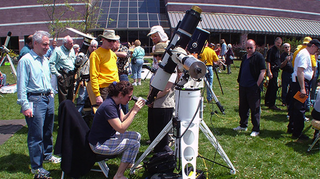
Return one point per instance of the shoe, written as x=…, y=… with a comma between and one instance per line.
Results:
x=41, y=172
x=254, y=134
x=240, y=128
x=306, y=119
x=139, y=83
x=134, y=84
x=53, y=159
x=275, y=108
x=303, y=137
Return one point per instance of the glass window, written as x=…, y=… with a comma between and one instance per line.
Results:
x=111, y=24
x=133, y=10
x=133, y=24
x=152, y=23
x=153, y=17
x=113, y=17
x=122, y=17
x=133, y=17
x=143, y=24
x=122, y=24
x=115, y=4
x=113, y=10
x=133, y=4
x=124, y=4
x=143, y=17
x=123, y=10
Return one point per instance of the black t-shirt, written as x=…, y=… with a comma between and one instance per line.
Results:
x=273, y=57
x=101, y=130
x=288, y=68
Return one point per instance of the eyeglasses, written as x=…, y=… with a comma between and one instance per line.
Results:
x=286, y=47
x=249, y=48
x=159, y=55
x=111, y=40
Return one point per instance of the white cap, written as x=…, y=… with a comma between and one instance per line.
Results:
x=159, y=29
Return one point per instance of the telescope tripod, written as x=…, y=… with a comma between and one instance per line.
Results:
x=190, y=120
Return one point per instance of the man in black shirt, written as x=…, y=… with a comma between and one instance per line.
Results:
x=252, y=71
x=287, y=69
x=273, y=66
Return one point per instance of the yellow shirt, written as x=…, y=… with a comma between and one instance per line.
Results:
x=313, y=57
x=209, y=56
x=103, y=69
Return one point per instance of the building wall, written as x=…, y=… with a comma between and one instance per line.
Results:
x=24, y=17
x=303, y=9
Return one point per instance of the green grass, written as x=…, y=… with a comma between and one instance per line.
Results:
x=273, y=154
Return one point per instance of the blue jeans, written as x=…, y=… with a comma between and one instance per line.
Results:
x=40, y=128
x=285, y=82
x=81, y=100
x=209, y=76
x=136, y=69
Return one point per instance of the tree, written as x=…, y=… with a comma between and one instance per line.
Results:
x=62, y=14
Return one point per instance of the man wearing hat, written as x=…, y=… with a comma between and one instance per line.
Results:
x=103, y=66
x=301, y=77
x=161, y=110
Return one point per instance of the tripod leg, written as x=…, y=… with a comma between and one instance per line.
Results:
x=164, y=131
x=205, y=129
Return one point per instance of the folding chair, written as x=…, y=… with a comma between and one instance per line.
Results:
x=72, y=145
x=316, y=125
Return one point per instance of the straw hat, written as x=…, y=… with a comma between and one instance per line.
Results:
x=160, y=48
x=110, y=34
x=306, y=40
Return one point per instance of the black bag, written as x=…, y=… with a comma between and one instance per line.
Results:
x=133, y=60
x=161, y=162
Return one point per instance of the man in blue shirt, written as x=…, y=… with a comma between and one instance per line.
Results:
x=62, y=65
x=27, y=47
x=35, y=95
x=252, y=71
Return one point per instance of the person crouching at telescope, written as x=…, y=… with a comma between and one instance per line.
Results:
x=108, y=135
x=161, y=110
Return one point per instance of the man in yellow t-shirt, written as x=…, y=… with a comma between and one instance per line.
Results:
x=209, y=57
x=103, y=66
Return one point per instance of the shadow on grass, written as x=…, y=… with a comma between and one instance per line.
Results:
x=15, y=163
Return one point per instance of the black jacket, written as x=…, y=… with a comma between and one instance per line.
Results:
x=72, y=145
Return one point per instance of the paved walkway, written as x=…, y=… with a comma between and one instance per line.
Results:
x=9, y=127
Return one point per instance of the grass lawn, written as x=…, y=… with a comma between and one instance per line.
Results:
x=273, y=154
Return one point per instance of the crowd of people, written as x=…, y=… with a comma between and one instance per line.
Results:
x=45, y=70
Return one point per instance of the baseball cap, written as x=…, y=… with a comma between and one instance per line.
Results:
x=316, y=42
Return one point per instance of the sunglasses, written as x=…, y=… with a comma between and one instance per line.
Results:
x=249, y=48
x=160, y=55
x=111, y=40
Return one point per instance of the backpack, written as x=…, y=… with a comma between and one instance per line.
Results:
x=161, y=162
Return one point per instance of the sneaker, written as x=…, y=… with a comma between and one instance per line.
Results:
x=240, y=128
x=275, y=108
x=303, y=137
x=139, y=83
x=254, y=134
x=53, y=159
x=41, y=172
x=134, y=84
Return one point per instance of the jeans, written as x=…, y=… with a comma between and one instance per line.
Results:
x=285, y=82
x=40, y=128
x=136, y=69
x=209, y=76
x=81, y=100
